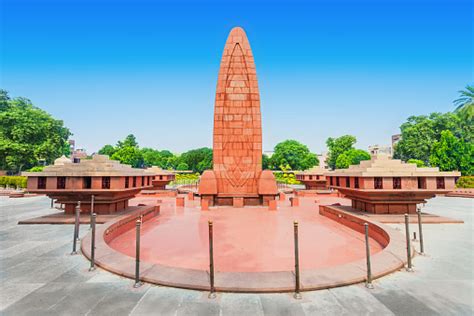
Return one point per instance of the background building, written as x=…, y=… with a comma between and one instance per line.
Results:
x=380, y=149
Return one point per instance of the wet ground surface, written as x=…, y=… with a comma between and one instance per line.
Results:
x=40, y=277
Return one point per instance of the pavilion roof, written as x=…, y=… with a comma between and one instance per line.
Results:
x=316, y=170
x=159, y=171
x=383, y=165
x=99, y=165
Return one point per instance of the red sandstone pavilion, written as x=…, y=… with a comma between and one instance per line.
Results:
x=161, y=178
x=313, y=179
x=237, y=177
x=388, y=186
x=111, y=183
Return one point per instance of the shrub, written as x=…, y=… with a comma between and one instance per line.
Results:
x=286, y=177
x=466, y=182
x=419, y=163
x=13, y=181
x=36, y=169
x=186, y=178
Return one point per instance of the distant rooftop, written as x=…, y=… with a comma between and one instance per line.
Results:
x=317, y=170
x=159, y=171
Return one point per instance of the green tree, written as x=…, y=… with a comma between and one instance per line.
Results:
x=419, y=134
x=152, y=157
x=182, y=166
x=351, y=157
x=451, y=153
x=466, y=98
x=108, y=150
x=126, y=151
x=198, y=160
x=172, y=162
x=465, y=110
x=337, y=146
x=265, y=162
x=28, y=135
x=129, y=155
x=4, y=100
x=419, y=163
x=293, y=153
x=129, y=141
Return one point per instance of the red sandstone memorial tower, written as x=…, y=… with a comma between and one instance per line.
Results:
x=237, y=177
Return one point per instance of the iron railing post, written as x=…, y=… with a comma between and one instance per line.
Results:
x=407, y=231
x=420, y=232
x=93, y=222
x=137, y=254
x=76, y=228
x=212, y=293
x=92, y=209
x=297, y=294
x=368, y=283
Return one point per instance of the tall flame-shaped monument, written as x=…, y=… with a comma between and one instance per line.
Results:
x=237, y=177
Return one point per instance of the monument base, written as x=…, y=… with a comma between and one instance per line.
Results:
x=99, y=207
x=379, y=201
x=384, y=207
x=315, y=185
x=267, y=191
x=237, y=201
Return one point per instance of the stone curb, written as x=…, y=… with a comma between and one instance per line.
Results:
x=390, y=259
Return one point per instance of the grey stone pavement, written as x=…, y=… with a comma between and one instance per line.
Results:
x=40, y=277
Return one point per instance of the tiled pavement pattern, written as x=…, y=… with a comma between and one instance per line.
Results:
x=40, y=277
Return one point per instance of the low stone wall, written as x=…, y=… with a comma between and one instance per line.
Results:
x=356, y=223
x=466, y=193
x=390, y=259
x=127, y=222
x=314, y=193
x=158, y=193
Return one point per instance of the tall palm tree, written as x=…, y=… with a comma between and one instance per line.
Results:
x=466, y=99
x=465, y=111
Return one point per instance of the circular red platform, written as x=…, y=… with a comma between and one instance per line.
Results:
x=250, y=239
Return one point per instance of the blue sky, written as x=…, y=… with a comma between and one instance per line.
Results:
x=325, y=68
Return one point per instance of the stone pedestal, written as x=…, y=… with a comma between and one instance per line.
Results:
x=272, y=205
x=294, y=201
x=238, y=202
x=180, y=201
x=204, y=205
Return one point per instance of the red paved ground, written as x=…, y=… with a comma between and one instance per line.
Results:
x=246, y=239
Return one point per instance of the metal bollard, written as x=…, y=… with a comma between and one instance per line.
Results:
x=92, y=209
x=297, y=294
x=137, y=255
x=78, y=220
x=407, y=230
x=212, y=293
x=420, y=231
x=414, y=236
x=52, y=203
x=92, y=268
x=76, y=229
x=368, y=283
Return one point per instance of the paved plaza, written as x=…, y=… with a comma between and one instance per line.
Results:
x=40, y=277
